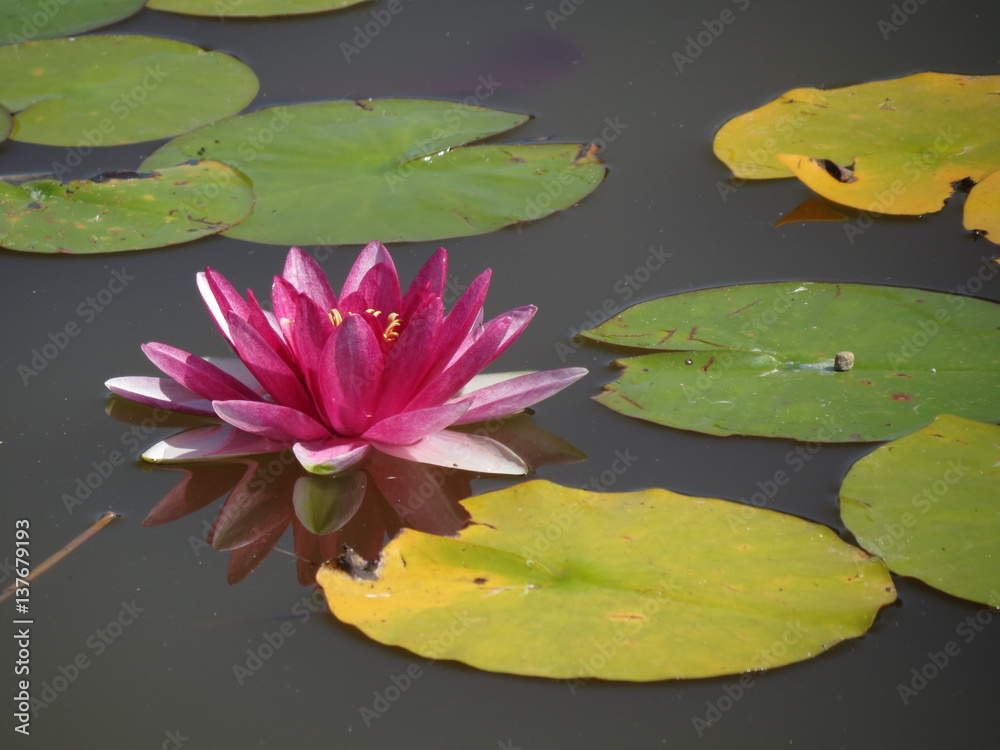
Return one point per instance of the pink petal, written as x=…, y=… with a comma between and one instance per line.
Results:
x=373, y=253
x=461, y=371
x=380, y=288
x=221, y=298
x=305, y=274
x=160, y=392
x=459, y=451
x=330, y=456
x=270, y=420
x=196, y=374
x=358, y=367
x=429, y=282
x=410, y=426
x=411, y=358
x=212, y=442
x=307, y=333
x=268, y=367
x=516, y=393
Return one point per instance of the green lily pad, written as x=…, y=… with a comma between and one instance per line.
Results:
x=333, y=173
x=929, y=505
x=31, y=20
x=123, y=211
x=245, y=8
x=109, y=90
x=759, y=359
x=552, y=581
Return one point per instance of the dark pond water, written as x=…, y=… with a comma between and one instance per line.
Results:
x=585, y=70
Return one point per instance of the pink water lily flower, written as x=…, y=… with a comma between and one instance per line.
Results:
x=335, y=376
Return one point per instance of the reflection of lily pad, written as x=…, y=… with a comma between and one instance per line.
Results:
x=551, y=581
x=888, y=147
x=242, y=8
x=124, y=211
x=758, y=359
x=344, y=172
x=109, y=90
x=929, y=505
x=31, y=20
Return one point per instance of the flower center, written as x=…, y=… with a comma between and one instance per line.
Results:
x=393, y=322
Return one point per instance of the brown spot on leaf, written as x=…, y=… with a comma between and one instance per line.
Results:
x=901, y=397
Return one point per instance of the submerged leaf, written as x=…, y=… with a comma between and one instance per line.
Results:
x=31, y=20
x=248, y=8
x=929, y=505
x=759, y=359
x=394, y=169
x=124, y=210
x=551, y=581
x=109, y=90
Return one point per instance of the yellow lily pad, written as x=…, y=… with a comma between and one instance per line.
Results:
x=982, y=209
x=887, y=147
x=553, y=581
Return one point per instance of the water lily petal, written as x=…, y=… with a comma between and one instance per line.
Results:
x=429, y=282
x=221, y=297
x=447, y=383
x=268, y=367
x=305, y=274
x=373, y=253
x=196, y=374
x=306, y=334
x=516, y=393
x=411, y=358
x=358, y=363
x=459, y=450
x=330, y=456
x=410, y=426
x=160, y=392
x=272, y=421
x=284, y=301
x=212, y=442
x=380, y=289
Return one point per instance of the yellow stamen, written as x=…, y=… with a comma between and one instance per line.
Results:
x=393, y=325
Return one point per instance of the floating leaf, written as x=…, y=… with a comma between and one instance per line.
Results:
x=244, y=8
x=982, y=209
x=31, y=20
x=929, y=505
x=758, y=359
x=6, y=123
x=123, y=210
x=390, y=169
x=888, y=147
x=110, y=90
x=552, y=581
